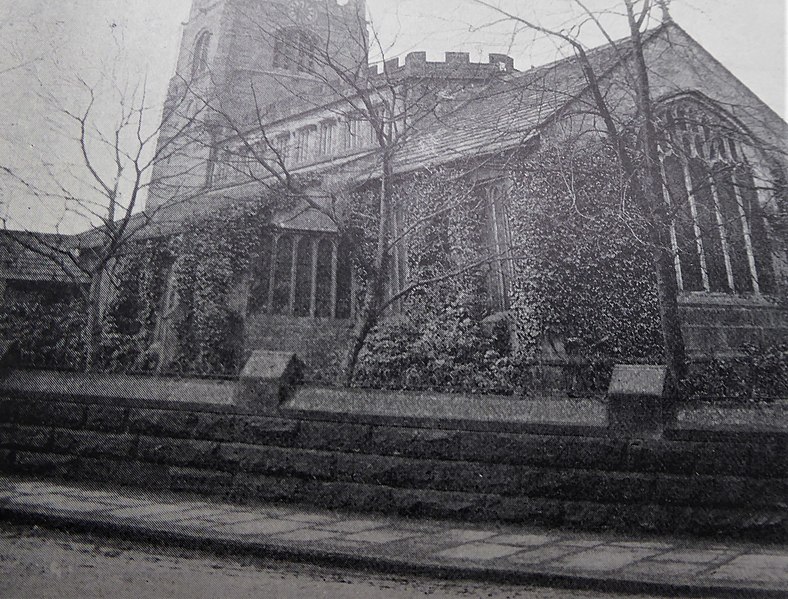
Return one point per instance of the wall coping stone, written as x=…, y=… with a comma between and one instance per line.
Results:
x=636, y=401
x=267, y=380
x=416, y=409
x=117, y=388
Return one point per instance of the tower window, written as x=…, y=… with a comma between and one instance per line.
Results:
x=294, y=50
x=200, y=56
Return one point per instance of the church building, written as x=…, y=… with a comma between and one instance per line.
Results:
x=276, y=98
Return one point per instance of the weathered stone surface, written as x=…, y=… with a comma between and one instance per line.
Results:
x=268, y=379
x=440, y=504
x=334, y=436
x=384, y=470
x=251, y=487
x=196, y=480
x=236, y=428
x=92, y=444
x=24, y=437
x=178, y=452
x=106, y=418
x=143, y=475
x=657, y=456
x=267, y=431
x=697, y=482
x=52, y=413
x=93, y=469
x=586, y=514
x=9, y=409
x=635, y=401
x=545, y=512
x=348, y=496
x=49, y=464
x=534, y=450
x=6, y=460
x=475, y=477
x=278, y=461
x=166, y=423
x=414, y=442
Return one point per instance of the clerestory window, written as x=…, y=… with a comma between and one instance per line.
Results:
x=719, y=232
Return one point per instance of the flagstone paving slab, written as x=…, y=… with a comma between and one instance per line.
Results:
x=380, y=536
x=306, y=535
x=604, y=557
x=263, y=527
x=543, y=554
x=770, y=568
x=351, y=526
x=509, y=552
x=698, y=556
x=523, y=540
x=462, y=535
x=479, y=551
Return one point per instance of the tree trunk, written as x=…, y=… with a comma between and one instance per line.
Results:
x=373, y=297
x=673, y=340
x=90, y=334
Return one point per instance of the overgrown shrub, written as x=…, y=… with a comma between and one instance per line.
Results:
x=445, y=349
x=48, y=334
x=583, y=272
x=760, y=374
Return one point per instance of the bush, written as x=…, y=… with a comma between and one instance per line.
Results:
x=761, y=374
x=48, y=334
x=446, y=350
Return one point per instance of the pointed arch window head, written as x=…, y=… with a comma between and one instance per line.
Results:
x=719, y=231
x=200, y=54
x=295, y=50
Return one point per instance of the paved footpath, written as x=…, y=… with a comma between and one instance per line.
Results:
x=489, y=552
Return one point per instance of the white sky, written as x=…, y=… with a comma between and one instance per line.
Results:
x=54, y=40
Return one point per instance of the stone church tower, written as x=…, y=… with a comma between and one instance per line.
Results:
x=240, y=59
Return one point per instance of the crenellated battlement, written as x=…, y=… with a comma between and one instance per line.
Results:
x=454, y=65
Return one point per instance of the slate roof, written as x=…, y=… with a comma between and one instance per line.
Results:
x=508, y=112
x=28, y=256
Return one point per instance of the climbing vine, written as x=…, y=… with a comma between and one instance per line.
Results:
x=583, y=270
x=212, y=257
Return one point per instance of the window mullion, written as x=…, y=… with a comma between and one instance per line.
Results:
x=313, y=290
x=723, y=233
x=272, y=273
x=674, y=243
x=704, y=273
x=747, y=237
x=334, y=274
x=293, y=271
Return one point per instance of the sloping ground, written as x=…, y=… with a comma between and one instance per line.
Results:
x=692, y=481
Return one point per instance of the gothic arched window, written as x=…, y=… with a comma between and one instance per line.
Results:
x=719, y=232
x=294, y=50
x=200, y=54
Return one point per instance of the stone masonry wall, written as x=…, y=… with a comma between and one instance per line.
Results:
x=706, y=484
x=723, y=330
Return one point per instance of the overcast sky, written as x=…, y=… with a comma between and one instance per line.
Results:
x=44, y=44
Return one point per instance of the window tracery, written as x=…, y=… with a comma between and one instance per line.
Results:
x=719, y=231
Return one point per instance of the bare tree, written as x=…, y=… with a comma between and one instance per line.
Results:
x=394, y=105
x=106, y=186
x=634, y=143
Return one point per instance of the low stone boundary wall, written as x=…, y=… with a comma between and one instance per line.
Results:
x=689, y=481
